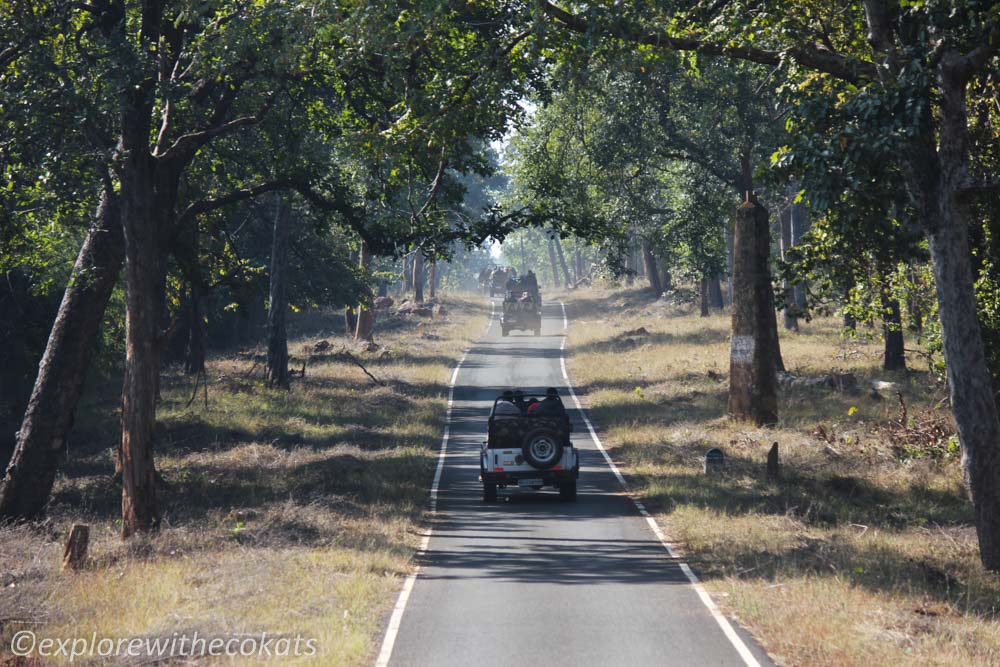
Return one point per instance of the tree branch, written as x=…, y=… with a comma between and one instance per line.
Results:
x=206, y=205
x=976, y=59
x=834, y=64
x=435, y=186
x=975, y=187
x=190, y=142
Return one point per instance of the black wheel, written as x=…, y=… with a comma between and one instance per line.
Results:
x=567, y=490
x=490, y=492
x=503, y=331
x=542, y=448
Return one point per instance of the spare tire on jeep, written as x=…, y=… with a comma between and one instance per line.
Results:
x=542, y=448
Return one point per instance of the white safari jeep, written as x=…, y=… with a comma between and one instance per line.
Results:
x=529, y=450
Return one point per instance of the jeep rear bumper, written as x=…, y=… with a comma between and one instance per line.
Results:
x=549, y=477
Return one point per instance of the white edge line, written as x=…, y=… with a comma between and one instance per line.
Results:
x=727, y=627
x=404, y=595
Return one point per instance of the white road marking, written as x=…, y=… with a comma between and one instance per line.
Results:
x=404, y=595
x=727, y=628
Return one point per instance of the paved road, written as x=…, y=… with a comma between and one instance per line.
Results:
x=532, y=579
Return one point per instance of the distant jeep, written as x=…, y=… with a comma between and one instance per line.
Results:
x=522, y=312
x=529, y=451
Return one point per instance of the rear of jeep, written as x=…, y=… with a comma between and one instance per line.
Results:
x=529, y=452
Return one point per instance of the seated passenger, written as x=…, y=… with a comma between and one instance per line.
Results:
x=551, y=406
x=532, y=405
x=505, y=407
x=519, y=401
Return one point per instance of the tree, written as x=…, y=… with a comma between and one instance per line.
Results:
x=277, y=339
x=925, y=54
x=30, y=474
x=160, y=83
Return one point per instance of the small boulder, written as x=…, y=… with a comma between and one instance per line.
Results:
x=383, y=302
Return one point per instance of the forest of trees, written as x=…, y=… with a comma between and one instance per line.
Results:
x=177, y=175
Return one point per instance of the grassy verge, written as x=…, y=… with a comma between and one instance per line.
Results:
x=286, y=512
x=862, y=554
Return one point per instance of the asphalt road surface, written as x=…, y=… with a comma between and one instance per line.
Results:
x=535, y=580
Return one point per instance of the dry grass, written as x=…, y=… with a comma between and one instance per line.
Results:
x=284, y=512
x=862, y=554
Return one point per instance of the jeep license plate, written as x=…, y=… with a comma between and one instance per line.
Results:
x=529, y=482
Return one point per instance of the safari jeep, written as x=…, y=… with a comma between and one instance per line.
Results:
x=528, y=452
x=523, y=313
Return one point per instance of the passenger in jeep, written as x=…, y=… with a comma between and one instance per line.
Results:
x=506, y=406
x=551, y=405
x=519, y=401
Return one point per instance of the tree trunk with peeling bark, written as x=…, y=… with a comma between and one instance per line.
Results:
x=936, y=177
x=148, y=198
x=753, y=382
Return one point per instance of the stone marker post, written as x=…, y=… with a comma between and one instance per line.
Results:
x=773, y=464
x=753, y=381
x=75, y=551
x=715, y=461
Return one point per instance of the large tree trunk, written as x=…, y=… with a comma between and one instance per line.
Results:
x=753, y=382
x=31, y=472
x=277, y=335
x=935, y=180
x=366, y=312
x=652, y=272
x=146, y=208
